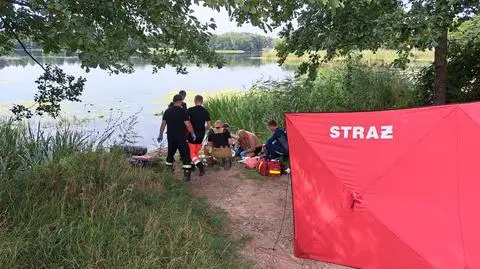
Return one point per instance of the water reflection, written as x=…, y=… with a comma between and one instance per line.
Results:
x=21, y=59
x=129, y=93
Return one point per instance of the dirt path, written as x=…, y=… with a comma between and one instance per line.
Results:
x=256, y=209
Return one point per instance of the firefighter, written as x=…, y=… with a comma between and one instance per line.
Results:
x=184, y=95
x=179, y=127
x=200, y=119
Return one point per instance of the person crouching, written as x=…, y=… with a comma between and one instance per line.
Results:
x=249, y=144
x=218, y=139
x=276, y=145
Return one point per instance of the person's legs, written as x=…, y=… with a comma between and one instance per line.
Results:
x=227, y=163
x=191, y=149
x=274, y=151
x=257, y=151
x=172, y=148
x=185, y=155
x=194, y=155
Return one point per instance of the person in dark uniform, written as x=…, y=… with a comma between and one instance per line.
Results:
x=276, y=145
x=179, y=126
x=200, y=119
x=183, y=94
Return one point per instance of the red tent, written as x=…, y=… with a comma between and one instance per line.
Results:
x=388, y=189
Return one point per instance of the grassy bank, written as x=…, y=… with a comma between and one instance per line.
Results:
x=348, y=87
x=64, y=205
x=382, y=56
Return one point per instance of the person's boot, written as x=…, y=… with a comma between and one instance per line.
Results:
x=227, y=164
x=221, y=162
x=186, y=175
x=201, y=168
x=193, y=167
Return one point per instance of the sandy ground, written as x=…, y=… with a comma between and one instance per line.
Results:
x=256, y=207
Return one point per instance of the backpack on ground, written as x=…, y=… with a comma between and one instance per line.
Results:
x=269, y=168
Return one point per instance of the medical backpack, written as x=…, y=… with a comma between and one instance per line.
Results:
x=269, y=168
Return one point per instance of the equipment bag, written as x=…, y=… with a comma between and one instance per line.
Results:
x=269, y=168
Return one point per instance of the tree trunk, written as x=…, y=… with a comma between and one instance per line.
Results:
x=440, y=82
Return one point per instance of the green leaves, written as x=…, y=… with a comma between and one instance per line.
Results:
x=342, y=27
x=463, y=84
x=54, y=86
x=106, y=34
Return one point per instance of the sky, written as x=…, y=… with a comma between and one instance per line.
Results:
x=224, y=24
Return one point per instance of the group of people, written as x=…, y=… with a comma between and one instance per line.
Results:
x=189, y=128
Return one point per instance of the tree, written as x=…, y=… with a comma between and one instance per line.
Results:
x=463, y=80
x=105, y=34
x=241, y=41
x=345, y=26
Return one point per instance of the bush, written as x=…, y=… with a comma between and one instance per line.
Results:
x=350, y=87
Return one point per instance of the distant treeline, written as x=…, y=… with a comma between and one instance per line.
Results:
x=247, y=42
x=242, y=41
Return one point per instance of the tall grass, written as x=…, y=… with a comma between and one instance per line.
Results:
x=23, y=146
x=65, y=205
x=381, y=56
x=349, y=87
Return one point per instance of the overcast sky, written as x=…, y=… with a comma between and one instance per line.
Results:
x=224, y=24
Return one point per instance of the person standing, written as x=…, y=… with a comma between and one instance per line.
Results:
x=200, y=119
x=184, y=95
x=176, y=120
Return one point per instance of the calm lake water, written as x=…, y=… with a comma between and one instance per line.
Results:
x=110, y=97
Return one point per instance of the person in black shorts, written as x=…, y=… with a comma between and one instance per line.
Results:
x=200, y=119
x=176, y=118
x=183, y=94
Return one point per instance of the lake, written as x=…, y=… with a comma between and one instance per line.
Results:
x=109, y=98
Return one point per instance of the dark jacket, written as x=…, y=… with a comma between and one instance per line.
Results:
x=278, y=137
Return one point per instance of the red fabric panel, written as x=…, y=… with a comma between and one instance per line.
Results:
x=347, y=158
x=469, y=184
x=417, y=198
x=317, y=201
x=328, y=229
x=357, y=239
x=414, y=192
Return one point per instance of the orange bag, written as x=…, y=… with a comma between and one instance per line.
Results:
x=269, y=168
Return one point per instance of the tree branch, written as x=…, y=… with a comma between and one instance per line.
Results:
x=23, y=3
x=10, y=29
